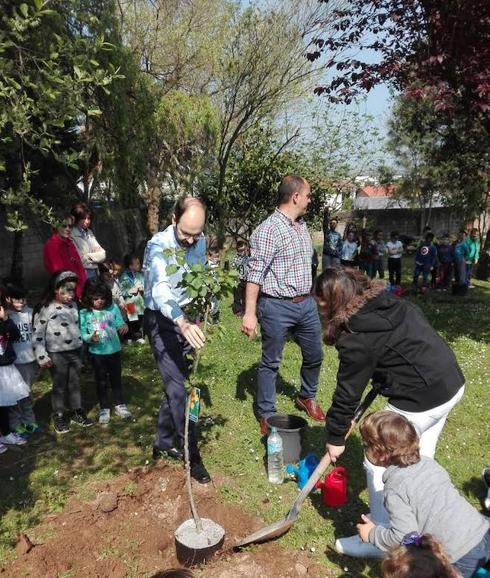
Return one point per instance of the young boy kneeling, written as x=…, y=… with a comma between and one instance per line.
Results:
x=420, y=497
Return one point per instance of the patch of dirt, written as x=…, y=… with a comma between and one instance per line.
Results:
x=128, y=531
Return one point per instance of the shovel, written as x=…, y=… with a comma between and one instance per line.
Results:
x=282, y=526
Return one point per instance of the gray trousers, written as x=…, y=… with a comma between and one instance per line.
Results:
x=170, y=350
x=23, y=411
x=66, y=380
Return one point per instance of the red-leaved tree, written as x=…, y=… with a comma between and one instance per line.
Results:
x=440, y=47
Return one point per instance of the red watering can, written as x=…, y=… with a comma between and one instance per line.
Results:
x=334, y=488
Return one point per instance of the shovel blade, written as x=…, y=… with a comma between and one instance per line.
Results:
x=268, y=533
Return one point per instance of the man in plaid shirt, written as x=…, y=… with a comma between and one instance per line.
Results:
x=278, y=296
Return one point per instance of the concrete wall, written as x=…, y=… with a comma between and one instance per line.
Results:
x=119, y=232
x=407, y=221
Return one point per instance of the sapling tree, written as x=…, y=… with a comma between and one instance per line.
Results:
x=205, y=287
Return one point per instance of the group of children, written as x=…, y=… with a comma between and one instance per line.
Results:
x=59, y=335
x=440, y=263
x=365, y=251
x=444, y=262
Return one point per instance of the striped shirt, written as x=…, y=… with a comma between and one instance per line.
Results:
x=280, y=257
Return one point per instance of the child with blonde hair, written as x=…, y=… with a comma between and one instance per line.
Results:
x=420, y=497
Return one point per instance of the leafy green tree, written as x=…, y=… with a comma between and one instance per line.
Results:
x=182, y=144
x=204, y=286
x=447, y=160
x=48, y=61
x=260, y=75
x=257, y=163
x=414, y=142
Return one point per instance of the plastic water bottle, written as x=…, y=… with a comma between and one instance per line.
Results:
x=275, y=462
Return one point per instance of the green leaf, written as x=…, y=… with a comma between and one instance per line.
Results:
x=172, y=269
x=38, y=4
x=24, y=10
x=197, y=283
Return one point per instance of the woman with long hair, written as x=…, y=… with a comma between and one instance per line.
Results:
x=382, y=338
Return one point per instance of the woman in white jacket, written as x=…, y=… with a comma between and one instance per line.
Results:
x=91, y=253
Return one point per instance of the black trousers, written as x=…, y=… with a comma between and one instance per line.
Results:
x=395, y=270
x=107, y=369
x=135, y=329
x=4, y=420
x=170, y=350
x=238, y=305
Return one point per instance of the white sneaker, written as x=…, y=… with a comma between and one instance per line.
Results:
x=355, y=547
x=13, y=439
x=122, y=411
x=104, y=416
x=129, y=341
x=140, y=340
x=3, y=449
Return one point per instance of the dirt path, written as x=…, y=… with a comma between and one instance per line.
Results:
x=126, y=530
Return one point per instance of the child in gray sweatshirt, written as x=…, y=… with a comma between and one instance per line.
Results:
x=57, y=345
x=420, y=497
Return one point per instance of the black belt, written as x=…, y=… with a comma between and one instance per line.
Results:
x=296, y=299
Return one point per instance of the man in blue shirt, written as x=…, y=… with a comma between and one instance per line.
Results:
x=172, y=335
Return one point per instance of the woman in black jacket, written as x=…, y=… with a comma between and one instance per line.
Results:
x=382, y=338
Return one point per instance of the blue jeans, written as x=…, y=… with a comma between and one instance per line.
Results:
x=278, y=317
x=425, y=275
x=478, y=556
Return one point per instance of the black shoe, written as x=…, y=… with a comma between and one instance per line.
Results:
x=486, y=476
x=173, y=453
x=200, y=473
x=80, y=418
x=60, y=424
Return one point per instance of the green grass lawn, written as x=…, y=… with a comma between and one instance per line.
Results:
x=37, y=479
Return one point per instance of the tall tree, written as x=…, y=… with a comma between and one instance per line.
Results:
x=183, y=138
x=260, y=75
x=443, y=45
x=48, y=58
x=436, y=53
x=414, y=141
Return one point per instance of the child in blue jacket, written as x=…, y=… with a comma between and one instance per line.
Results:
x=425, y=261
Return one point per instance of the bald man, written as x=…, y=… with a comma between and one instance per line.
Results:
x=172, y=335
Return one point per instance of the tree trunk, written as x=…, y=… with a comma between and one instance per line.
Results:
x=17, y=266
x=153, y=204
x=219, y=213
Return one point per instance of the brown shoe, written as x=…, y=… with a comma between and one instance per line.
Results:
x=264, y=428
x=311, y=407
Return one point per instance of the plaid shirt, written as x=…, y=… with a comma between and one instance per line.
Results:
x=280, y=257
